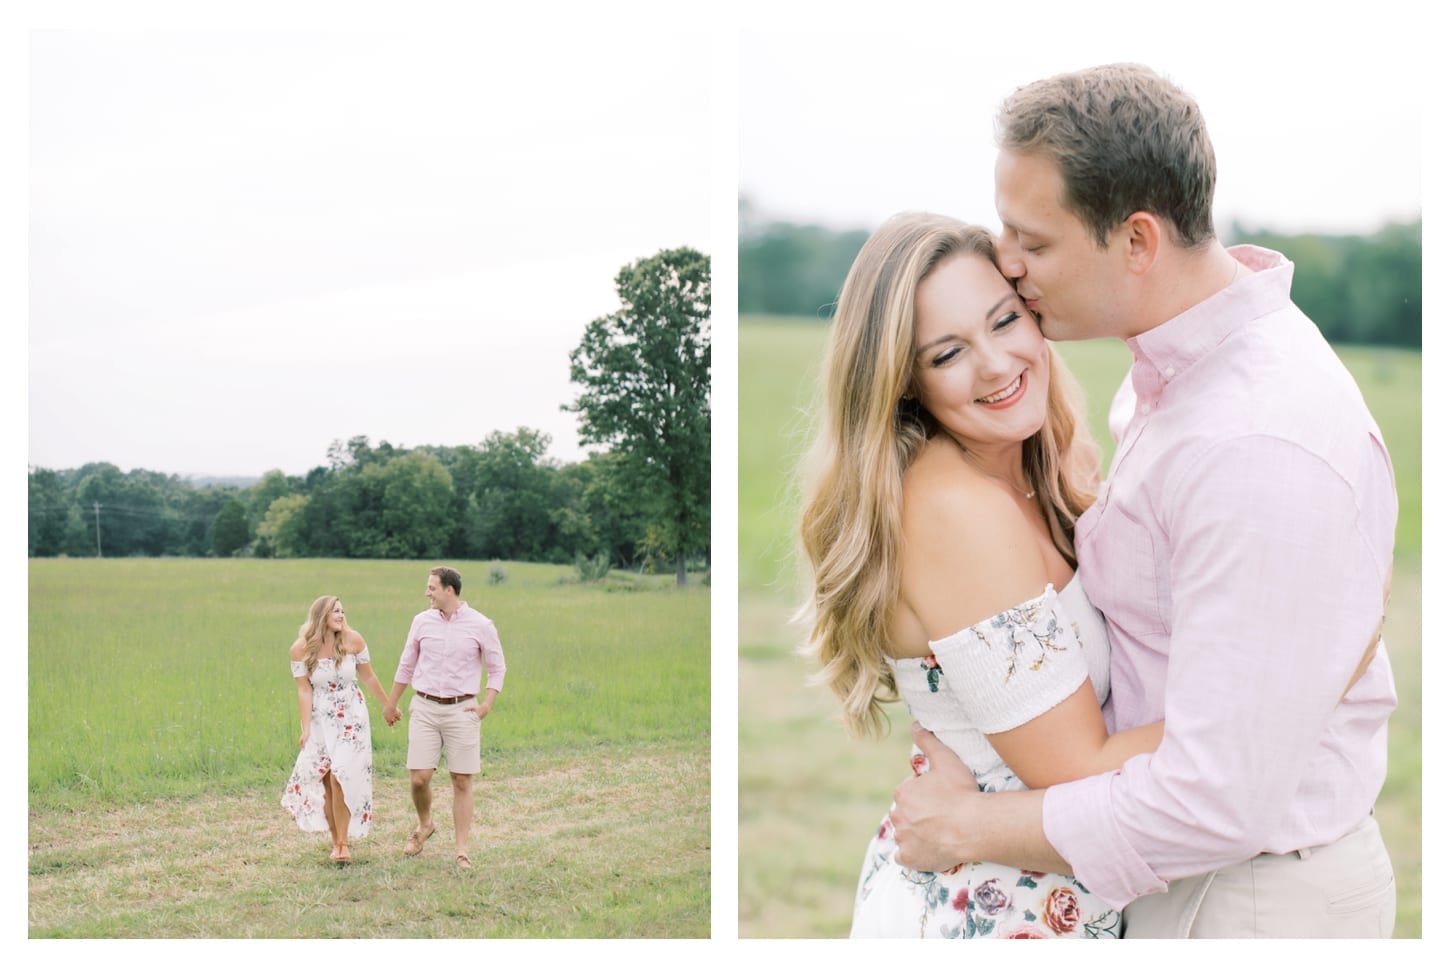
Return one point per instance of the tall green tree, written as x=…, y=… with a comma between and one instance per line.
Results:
x=232, y=531
x=417, y=502
x=49, y=513
x=512, y=496
x=644, y=373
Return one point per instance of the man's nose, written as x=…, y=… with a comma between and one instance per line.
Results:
x=1009, y=258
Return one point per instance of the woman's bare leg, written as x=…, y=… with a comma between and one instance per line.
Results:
x=327, y=811
x=339, y=816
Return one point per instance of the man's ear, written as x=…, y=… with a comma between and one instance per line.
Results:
x=1142, y=235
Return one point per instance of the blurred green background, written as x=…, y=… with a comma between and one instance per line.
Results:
x=809, y=796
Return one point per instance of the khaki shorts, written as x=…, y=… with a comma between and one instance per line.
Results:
x=452, y=730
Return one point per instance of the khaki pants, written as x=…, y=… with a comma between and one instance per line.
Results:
x=1344, y=889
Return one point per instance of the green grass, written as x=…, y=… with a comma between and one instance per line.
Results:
x=807, y=806
x=160, y=690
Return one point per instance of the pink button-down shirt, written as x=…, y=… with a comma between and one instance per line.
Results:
x=445, y=657
x=1238, y=551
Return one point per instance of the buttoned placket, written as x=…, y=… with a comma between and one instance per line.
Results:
x=1131, y=435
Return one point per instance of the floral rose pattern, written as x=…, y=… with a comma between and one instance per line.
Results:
x=986, y=900
x=979, y=899
x=339, y=741
x=1061, y=911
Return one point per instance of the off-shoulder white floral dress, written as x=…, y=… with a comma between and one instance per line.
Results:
x=339, y=740
x=991, y=677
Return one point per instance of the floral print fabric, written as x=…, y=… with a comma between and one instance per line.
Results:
x=972, y=900
x=340, y=741
x=1005, y=671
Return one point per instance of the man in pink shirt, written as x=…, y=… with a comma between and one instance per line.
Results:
x=1238, y=549
x=447, y=650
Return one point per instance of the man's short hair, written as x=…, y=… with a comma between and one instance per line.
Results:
x=1125, y=139
x=448, y=578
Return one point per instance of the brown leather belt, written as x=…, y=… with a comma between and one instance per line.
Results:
x=444, y=701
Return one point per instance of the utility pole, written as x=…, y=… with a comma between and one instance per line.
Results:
x=98, y=528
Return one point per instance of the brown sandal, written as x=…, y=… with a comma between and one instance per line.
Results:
x=462, y=861
x=415, y=842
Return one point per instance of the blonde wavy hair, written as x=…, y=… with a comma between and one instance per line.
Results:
x=315, y=633
x=870, y=432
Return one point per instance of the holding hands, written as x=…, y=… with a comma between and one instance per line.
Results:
x=391, y=714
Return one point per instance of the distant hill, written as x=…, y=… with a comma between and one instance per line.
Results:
x=202, y=480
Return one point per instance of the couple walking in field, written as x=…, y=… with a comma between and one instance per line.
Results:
x=449, y=647
x=1225, y=577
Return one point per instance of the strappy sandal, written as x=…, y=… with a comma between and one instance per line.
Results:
x=462, y=861
x=415, y=842
x=344, y=855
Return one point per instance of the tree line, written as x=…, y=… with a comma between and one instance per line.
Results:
x=644, y=378
x=1359, y=289
x=499, y=500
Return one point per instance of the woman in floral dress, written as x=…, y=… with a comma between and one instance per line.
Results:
x=951, y=467
x=331, y=786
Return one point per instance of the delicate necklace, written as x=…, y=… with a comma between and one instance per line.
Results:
x=1029, y=494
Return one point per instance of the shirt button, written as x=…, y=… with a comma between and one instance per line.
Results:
x=1168, y=372
x=1145, y=408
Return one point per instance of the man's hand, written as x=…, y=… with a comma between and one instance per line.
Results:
x=391, y=715
x=932, y=808
x=482, y=709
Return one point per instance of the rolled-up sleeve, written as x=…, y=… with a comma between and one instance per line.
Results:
x=1277, y=566
x=493, y=662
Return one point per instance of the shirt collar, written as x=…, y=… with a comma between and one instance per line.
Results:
x=462, y=607
x=1169, y=350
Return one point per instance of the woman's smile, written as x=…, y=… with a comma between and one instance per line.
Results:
x=1008, y=395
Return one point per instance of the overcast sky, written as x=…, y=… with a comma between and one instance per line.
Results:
x=246, y=245
x=1315, y=120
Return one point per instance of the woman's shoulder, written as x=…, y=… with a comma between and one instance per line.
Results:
x=354, y=643
x=940, y=489
x=298, y=649
x=968, y=550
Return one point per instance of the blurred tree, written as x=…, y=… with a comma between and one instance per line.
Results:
x=192, y=516
x=1360, y=289
x=232, y=531
x=644, y=371
x=1363, y=289
x=130, y=509
x=274, y=484
x=792, y=270
x=282, y=526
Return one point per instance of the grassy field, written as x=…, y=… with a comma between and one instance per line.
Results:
x=162, y=720
x=808, y=795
